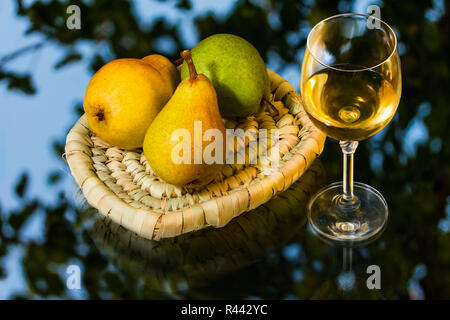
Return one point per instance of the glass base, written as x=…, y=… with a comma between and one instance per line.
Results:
x=335, y=220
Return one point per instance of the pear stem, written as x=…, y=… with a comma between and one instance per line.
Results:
x=178, y=62
x=186, y=55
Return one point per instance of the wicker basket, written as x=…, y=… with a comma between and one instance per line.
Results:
x=122, y=186
x=198, y=256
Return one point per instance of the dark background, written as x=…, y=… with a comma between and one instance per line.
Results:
x=408, y=161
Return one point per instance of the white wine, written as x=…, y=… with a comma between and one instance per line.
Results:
x=351, y=86
x=349, y=104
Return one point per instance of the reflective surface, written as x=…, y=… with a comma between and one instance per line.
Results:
x=195, y=260
x=269, y=253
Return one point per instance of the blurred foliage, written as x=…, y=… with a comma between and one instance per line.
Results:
x=415, y=180
x=17, y=81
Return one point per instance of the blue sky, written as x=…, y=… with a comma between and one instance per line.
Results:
x=29, y=124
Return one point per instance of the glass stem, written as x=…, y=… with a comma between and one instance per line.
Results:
x=348, y=149
x=347, y=256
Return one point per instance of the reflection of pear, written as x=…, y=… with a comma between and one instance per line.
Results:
x=193, y=258
x=193, y=105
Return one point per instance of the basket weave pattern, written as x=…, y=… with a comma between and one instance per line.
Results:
x=122, y=185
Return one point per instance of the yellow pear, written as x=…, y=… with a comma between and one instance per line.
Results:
x=124, y=97
x=185, y=143
x=166, y=68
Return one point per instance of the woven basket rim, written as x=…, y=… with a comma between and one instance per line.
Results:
x=217, y=211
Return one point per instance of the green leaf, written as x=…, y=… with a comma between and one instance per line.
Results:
x=18, y=82
x=58, y=148
x=69, y=58
x=184, y=4
x=79, y=110
x=97, y=62
x=54, y=177
x=17, y=219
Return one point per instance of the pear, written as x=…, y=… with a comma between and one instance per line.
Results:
x=184, y=145
x=166, y=68
x=236, y=70
x=124, y=97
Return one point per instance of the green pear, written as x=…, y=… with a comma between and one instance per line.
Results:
x=236, y=70
x=185, y=142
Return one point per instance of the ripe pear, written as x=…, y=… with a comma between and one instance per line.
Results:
x=166, y=68
x=124, y=97
x=175, y=149
x=236, y=70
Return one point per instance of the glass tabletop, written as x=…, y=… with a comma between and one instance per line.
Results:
x=272, y=253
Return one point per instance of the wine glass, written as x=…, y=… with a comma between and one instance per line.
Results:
x=351, y=87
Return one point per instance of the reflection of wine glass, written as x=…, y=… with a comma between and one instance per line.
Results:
x=351, y=87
